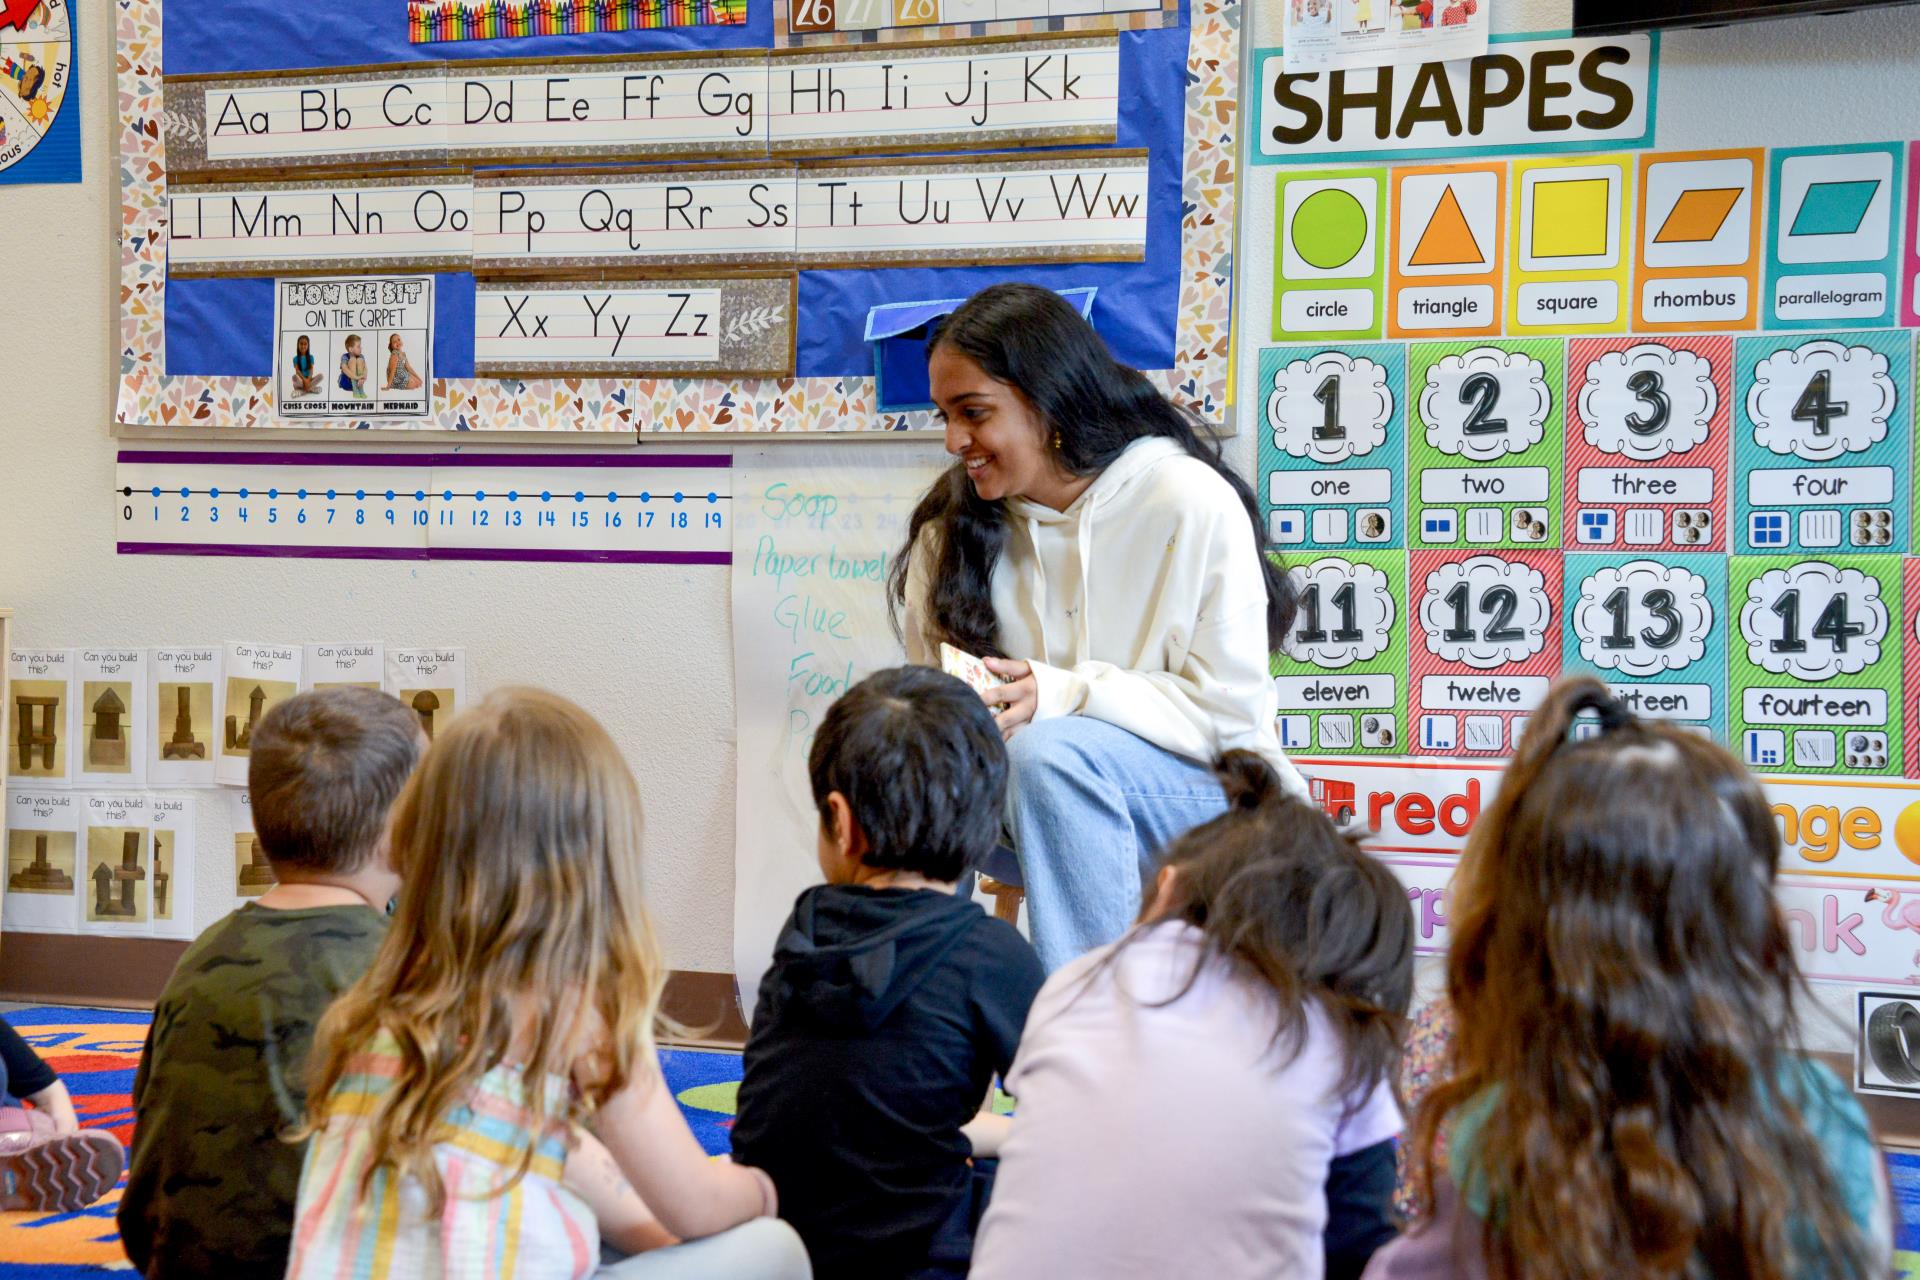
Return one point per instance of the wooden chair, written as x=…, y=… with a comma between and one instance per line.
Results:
x=1000, y=880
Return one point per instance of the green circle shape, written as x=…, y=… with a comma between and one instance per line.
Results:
x=1329, y=227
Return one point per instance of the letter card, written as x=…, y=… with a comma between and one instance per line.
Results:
x=1485, y=443
x=1342, y=675
x=1647, y=442
x=1654, y=630
x=1821, y=453
x=1480, y=651
x=1815, y=684
x=1333, y=447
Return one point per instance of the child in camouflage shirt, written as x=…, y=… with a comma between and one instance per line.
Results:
x=211, y=1187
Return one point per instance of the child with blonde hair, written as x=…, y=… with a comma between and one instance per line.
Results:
x=511, y=1007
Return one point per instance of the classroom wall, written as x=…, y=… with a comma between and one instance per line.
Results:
x=644, y=647
x=1843, y=78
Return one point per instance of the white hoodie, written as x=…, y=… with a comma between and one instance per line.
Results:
x=1142, y=605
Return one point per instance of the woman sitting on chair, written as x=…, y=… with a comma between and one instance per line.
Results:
x=1091, y=545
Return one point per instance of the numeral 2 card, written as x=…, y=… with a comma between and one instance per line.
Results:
x=1485, y=444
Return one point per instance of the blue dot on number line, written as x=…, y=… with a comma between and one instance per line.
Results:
x=446, y=495
x=513, y=495
x=713, y=497
x=303, y=494
x=389, y=495
x=273, y=493
x=646, y=497
x=679, y=497
x=612, y=496
x=331, y=494
x=359, y=495
x=183, y=491
x=156, y=491
x=243, y=493
x=480, y=495
x=213, y=493
x=419, y=495
x=546, y=497
x=579, y=495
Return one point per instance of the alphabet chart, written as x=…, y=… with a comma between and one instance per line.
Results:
x=666, y=508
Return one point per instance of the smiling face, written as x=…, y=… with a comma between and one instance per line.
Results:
x=992, y=428
x=393, y=343
x=301, y=346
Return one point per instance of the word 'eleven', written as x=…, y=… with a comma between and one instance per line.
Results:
x=1467, y=520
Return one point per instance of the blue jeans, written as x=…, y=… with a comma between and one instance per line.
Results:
x=1089, y=807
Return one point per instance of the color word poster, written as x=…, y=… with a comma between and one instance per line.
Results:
x=1570, y=255
x=1330, y=254
x=1483, y=646
x=1822, y=452
x=1449, y=245
x=1342, y=675
x=1698, y=260
x=1333, y=445
x=1833, y=250
x=1815, y=672
x=1485, y=443
x=1654, y=630
x=1647, y=431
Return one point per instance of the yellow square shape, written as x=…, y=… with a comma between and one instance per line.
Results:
x=1570, y=218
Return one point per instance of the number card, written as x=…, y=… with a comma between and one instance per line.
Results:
x=1481, y=653
x=1329, y=256
x=1698, y=256
x=1910, y=650
x=1449, y=251
x=41, y=688
x=1647, y=431
x=1569, y=245
x=1333, y=447
x=1831, y=245
x=43, y=833
x=116, y=864
x=1822, y=454
x=1813, y=668
x=1342, y=675
x=1654, y=630
x=1485, y=443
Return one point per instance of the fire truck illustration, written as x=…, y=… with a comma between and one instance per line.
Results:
x=1335, y=798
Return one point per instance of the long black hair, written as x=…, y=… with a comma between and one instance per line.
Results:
x=1033, y=340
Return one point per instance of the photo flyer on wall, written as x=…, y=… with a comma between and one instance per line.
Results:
x=182, y=746
x=259, y=677
x=174, y=849
x=43, y=828
x=110, y=712
x=430, y=681
x=115, y=891
x=353, y=347
x=39, y=740
x=1328, y=35
x=252, y=873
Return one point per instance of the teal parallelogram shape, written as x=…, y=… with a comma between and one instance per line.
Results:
x=1834, y=208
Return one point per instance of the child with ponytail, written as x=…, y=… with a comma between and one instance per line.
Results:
x=1209, y=1095
x=1622, y=1097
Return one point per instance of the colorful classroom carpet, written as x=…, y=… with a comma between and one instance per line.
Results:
x=96, y=1051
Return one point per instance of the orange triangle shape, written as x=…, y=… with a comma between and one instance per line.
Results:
x=1448, y=240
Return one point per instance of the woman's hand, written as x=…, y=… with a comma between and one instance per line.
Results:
x=1016, y=700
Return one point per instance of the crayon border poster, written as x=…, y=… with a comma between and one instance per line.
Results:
x=1795, y=654
x=1329, y=254
x=1332, y=449
x=1697, y=255
x=1342, y=676
x=1482, y=646
x=1648, y=430
x=1655, y=629
x=1833, y=241
x=1472, y=486
x=1448, y=263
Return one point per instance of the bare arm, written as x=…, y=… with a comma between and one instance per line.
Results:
x=692, y=1195
x=988, y=1133
x=625, y=1221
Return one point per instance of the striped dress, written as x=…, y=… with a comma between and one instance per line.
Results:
x=537, y=1231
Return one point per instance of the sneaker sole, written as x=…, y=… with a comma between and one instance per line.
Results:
x=62, y=1175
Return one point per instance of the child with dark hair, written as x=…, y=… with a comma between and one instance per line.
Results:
x=1209, y=1096
x=1634, y=1106
x=212, y=1184
x=892, y=1001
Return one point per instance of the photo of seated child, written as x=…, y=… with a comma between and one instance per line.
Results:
x=306, y=380
x=400, y=372
x=353, y=367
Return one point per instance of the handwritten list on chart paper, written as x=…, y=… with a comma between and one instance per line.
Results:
x=816, y=530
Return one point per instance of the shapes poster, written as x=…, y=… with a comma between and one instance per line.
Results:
x=1342, y=675
x=259, y=677
x=110, y=717
x=41, y=687
x=1832, y=247
x=1822, y=452
x=1654, y=630
x=1333, y=445
x=433, y=682
x=43, y=835
x=1814, y=667
x=1485, y=443
x=1647, y=442
x=185, y=739
x=1698, y=255
x=1482, y=647
x=1329, y=255
x=39, y=127
x=1569, y=245
x=1449, y=251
